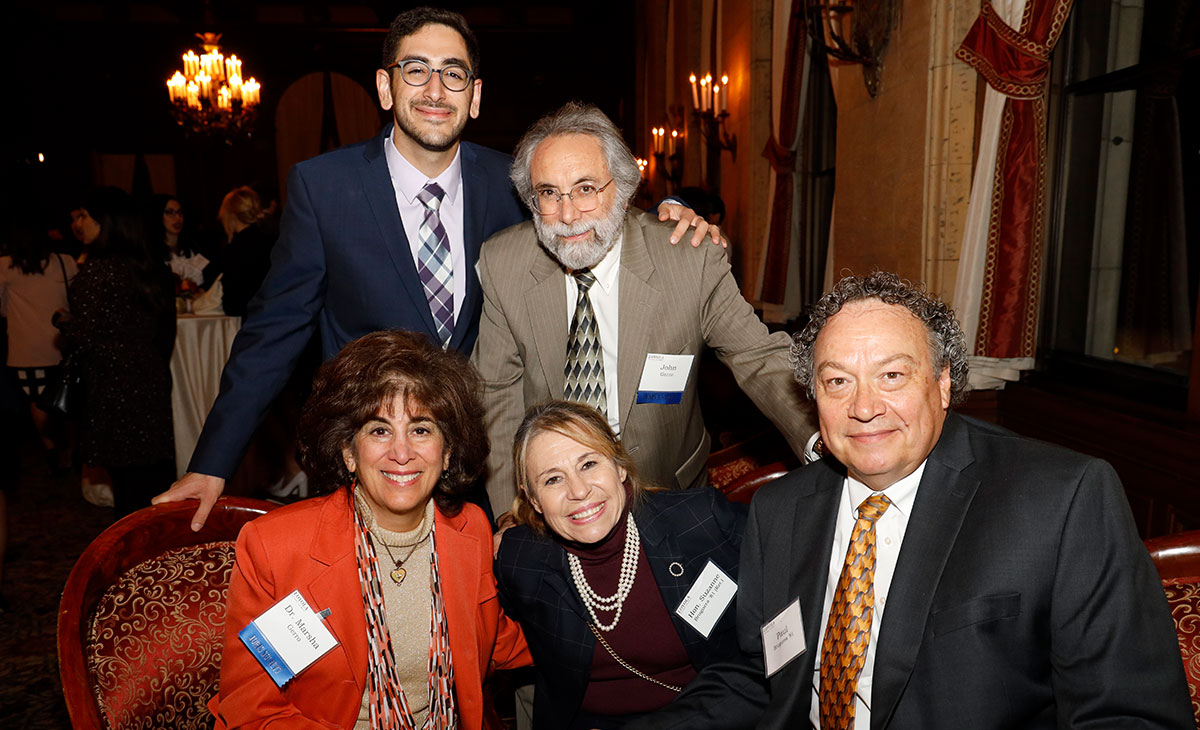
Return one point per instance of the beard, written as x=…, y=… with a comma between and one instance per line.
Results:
x=584, y=254
x=435, y=139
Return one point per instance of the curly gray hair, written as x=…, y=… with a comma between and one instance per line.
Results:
x=577, y=118
x=947, y=344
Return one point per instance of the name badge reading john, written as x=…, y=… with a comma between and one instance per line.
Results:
x=708, y=598
x=783, y=638
x=287, y=638
x=663, y=378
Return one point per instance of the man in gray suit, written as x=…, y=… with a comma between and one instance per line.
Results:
x=590, y=276
x=934, y=572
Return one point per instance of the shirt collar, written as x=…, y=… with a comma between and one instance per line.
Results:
x=606, y=271
x=409, y=180
x=901, y=494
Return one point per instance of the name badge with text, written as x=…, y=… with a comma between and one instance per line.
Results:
x=707, y=600
x=287, y=638
x=664, y=378
x=783, y=638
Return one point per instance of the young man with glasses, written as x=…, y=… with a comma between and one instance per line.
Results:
x=588, y=302
x=379, y=235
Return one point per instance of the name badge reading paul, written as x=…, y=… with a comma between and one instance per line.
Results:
x=664, y=378
x=287, y=638
x=783, y=638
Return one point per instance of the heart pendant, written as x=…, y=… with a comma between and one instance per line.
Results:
x=398, y=575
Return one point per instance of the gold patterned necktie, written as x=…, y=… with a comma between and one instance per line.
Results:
x=844, y=650
x=584, y=367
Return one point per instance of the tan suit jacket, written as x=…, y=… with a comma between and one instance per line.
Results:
x=673, y=300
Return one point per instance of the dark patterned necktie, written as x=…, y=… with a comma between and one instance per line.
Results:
x=848, y=630
x=433, y=262
x=584, y=369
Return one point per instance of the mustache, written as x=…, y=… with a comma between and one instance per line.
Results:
x=568, y=229
x=430, y=105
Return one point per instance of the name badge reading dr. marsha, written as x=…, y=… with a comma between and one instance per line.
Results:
x=663, y=378
x=287, y=638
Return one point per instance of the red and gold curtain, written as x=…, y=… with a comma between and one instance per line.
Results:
x=999, y=279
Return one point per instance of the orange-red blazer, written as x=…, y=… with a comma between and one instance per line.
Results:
x=310, y=546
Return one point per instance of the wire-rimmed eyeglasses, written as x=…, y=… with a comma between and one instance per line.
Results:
x=417, y=73
x=585, y=197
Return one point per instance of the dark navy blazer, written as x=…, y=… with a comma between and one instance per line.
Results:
x=343, y=263
x=689, y=527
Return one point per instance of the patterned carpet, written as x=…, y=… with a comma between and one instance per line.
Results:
x=49, y=526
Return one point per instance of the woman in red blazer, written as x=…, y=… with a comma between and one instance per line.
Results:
x=401, y=563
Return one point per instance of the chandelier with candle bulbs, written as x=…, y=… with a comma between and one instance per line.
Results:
x=211, y=94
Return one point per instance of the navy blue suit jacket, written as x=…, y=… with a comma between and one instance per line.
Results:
x=690, y=527
x=343, y=263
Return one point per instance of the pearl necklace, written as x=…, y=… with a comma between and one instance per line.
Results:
x=629, y=560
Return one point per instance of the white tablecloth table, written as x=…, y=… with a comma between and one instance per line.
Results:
x=202, y=344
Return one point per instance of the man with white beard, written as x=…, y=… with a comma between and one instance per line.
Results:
x=586, y=303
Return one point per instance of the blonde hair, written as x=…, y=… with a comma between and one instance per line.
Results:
x=243, y=205
x=576, y=421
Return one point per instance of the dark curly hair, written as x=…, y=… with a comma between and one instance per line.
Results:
x=368, y=373
x=947, y=344
x=413, y=20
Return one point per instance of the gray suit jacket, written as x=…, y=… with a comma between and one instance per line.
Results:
x=673, y=300
x=1022, y=598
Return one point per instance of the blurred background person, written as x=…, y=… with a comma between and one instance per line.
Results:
x=246, y=257
x=33, y=286
x=193, y=270
x=85, y=229
x=123, y=324
x=597, y=566
x=393, y=438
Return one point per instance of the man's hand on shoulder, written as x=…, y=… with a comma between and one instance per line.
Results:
x=195, y=486
x=688, y=218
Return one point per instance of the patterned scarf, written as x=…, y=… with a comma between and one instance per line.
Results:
x=389, y=708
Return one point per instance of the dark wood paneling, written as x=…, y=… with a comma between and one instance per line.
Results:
x=1156, y=453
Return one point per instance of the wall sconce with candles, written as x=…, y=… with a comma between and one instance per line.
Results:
x=668, y=151
x=209, y=94
x=856, y=32
x=709, y=104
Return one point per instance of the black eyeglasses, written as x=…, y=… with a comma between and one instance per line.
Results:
x=585, y=196
x=418, y=73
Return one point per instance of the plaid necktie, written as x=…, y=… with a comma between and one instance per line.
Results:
x=848, y=630
x=433, y=262
x=584, y=369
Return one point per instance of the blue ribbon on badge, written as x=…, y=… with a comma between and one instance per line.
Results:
x=668, y=397
x=266, y=654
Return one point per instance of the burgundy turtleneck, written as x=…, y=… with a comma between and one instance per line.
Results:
x=645, y=636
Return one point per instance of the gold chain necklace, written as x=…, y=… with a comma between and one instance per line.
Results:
x=398, y=573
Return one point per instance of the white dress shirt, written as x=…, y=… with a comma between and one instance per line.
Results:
x=606, y=305
x=407, y=182
x=889, y=537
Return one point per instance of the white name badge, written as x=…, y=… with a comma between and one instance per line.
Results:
x=664, y=378
x=783, y=638
x=287, y=638
x=707, y=600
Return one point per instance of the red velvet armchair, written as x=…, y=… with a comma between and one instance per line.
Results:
x=1177, y=558
x=140, y=625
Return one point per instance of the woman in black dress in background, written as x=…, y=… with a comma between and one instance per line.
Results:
x=123, y=323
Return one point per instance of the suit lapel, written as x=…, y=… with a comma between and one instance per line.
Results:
x=546, y=309
x=640, y=303
x=943, y=498
x=813, y=523
x=381, y=196
x=337, y=587
x=475, y=189
x=458, y=564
